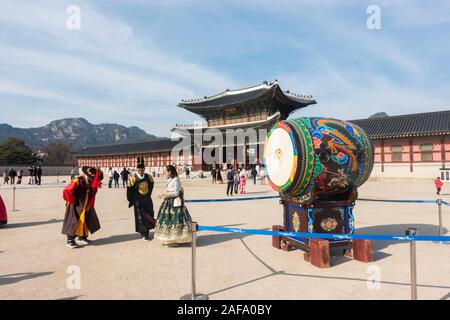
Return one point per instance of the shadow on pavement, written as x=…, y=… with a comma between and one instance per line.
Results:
x=31, y=224
x=70, y=298
x=17, y=277
x=446, y=297
x=116, y=239
x=215, y=238
x=398, y=229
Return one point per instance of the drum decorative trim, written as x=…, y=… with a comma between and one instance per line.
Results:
x=290, y=179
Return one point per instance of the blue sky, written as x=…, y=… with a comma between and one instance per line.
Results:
x=133, y=61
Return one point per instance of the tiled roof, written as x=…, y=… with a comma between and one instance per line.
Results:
x=408, y=125
x=129, y=148
x=236, y=97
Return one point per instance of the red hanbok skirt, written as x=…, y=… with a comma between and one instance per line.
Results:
x=3, y=214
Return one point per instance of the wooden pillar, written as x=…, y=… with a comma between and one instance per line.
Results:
x=192, y=157
x=235, y=164
x=362, y=250
x=382, y=155
x=319, y=254
x=443, y=159
x=245, y=155
x=276, y=240
x=411, y=155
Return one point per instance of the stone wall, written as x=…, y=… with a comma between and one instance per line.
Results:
x=402, y=171
x=46, y=170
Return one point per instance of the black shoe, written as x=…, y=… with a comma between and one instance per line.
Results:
x=72, y=244
x=84, y=240
x=145, y=237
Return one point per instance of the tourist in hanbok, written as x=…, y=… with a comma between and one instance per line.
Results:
x=173, y=224
x=139, y=195
x=81, y=219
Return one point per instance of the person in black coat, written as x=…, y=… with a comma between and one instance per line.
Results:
x=124, y=175
x=116, y=179
x=39, y=175
x=139, y=196
x=12, y=175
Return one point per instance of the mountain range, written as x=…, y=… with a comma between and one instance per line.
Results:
x=77, y=132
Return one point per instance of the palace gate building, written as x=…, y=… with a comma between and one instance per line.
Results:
x=242, y=117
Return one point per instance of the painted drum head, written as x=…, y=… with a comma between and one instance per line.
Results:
x=280, y=156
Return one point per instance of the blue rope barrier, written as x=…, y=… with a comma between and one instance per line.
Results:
x=377, y=237
x=230, y=199
x=274, y=197
x=401, y=201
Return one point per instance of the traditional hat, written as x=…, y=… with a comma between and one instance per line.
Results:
x=89, y=171
x=94, y=174
x=140, y=163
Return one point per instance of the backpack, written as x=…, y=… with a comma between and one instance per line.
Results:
x=230, y=175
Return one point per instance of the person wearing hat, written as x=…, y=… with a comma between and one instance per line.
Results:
x=139, y=196
x=81, y=219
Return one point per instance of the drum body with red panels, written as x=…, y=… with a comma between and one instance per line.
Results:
x=327, y=155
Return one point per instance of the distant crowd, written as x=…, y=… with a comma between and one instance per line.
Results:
x=119, y=177
x=237, y=178
x=13, y=176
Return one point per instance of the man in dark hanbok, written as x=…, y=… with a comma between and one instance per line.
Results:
x=139, y=195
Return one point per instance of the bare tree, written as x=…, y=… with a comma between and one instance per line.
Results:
x=56, y=153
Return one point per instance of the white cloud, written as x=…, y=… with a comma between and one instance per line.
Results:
x=104, y=61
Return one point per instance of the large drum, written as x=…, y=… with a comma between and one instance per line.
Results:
x=328, y=156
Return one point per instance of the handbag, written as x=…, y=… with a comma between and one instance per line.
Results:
x=177, y=202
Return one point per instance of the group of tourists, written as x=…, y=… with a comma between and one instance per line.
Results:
x=13, y=176
x=172, y=224
x=115, y=176
x=236, y=181
x=237, y=178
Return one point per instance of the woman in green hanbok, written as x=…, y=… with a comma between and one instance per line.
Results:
x=173, y=224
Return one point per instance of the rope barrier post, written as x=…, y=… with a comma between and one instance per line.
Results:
x=193, y=295
x=14, y=198
x=439, y=203
x=413, y=232
x=57, y=176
